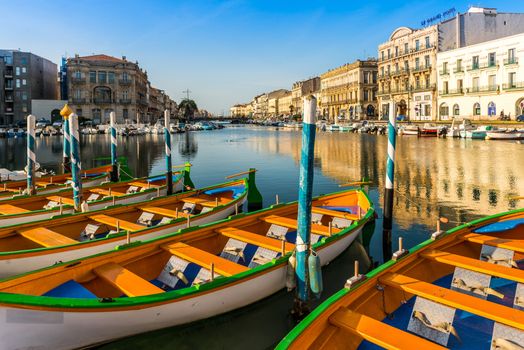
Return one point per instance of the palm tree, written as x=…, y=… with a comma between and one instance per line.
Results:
x=187, y=109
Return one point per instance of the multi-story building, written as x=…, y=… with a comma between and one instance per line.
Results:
x=406, y=73
x=24, y=77
x=482, y=81
x=100, y=84
x=285, y=104
x=349, y=91
x=301, y=89
x=260, y=106
x=243, y=110
x=272, y=101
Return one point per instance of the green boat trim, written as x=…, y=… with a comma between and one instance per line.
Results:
x=308, y=320
x=94, y=304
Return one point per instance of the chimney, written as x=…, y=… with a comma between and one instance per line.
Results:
x=457, y=26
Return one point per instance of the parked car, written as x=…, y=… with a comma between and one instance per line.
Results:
x=42, y=123
x=520, y=118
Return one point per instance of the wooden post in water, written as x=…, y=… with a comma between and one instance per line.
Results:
x=66, y=151
x=31, y=157
x=75, y=160
x=388, y=191
x=305, y=194
x=169, y=166
x=114, y=160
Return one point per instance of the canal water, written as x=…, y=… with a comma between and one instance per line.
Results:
x=457, y=179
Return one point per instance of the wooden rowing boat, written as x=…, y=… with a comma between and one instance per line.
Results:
x=462, y=289
x=54, y=183
x=23, y=209
x=38, y=244
x=194, y=274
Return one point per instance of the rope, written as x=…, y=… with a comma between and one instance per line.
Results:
x=120, y=169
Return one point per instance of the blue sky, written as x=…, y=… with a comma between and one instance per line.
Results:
x=225, y=52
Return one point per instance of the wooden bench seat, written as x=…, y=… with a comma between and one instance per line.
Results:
x=8, y=209
x=144, y=185
x=495, y=312
x=129, y=283
x=377, y=332
x=165, y=212
x=106, y=192
x=46, y=237
x=65, y=200
x=111, y=221
x=516, y=245
x=253, y=238
x=476, y=265
x=292, y=223
x=334, y=213
x=200, y=257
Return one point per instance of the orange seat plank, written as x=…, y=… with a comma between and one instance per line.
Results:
x=379, y=333
x=516, y=245
x=111, y=221
x=204, y=259
x=292, y=223
x=129, y=283
x=496, y=312
x=253, y=238
x=65, y=200
x=476, y=265
x=8, y=209
x=164, y=212
x=106, y=192
x=46, y=237
x=334, y=213
x=143, y=185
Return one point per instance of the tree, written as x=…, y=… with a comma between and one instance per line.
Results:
x=187, y=109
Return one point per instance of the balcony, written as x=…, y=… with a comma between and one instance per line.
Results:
x=475, y=67
x=8, y=73
x=420, y=69
x=514, y=86
x=384, y=76
x=8, y=98
x=142, y=101
x=78, y=101
x=8, y=87
x=76, y=80
x=402, y=71
x=482, y=89
x=444, y=72
x=511, y=61
x=423, y=88
x=125, y=101
x=100, y=101
x=451, y=92
x=125, y=81
x=458, y=70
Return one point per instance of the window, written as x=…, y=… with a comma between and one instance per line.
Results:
x=125, y=94
x=491, y=59
x=406, y=48
x=382, y=71
x=492, y=82
x=24, y=108
x=8, y=59
x=417, y=45
x=492, y=109
x=445, y=88
x=475, y=62
x=17, y=83
x=125, y=76
x=417, y=82
x=427, y=62
x=125, y=113
x=389, y=53
x=24, y=82
x=92, y=76
x=382, y=54
x=459, y=66
x=17, y=70
x=78, y=75
x=406, y=66
x=445, y=68
x=23, y=61
x=77, y=94
x=374, y=77
x=24, y=70
x=396, y=67
x=24, y=95
x=79, y=112
x=389, y=69
x=475, y=84
x=460, y=85
x=511, y=56
x=427, y=42
x=426, y=79
x=396, y=51
x=111, y=77
x=476, y=109
x=456, y=110
x=102, y=77
x=444, y=110
x=417, y=63
x=366, y=95
x=511, y=79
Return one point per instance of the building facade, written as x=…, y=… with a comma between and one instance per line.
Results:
x=243, y=110
x=301, y=89
x=349, y=91
x=482, y=81
x=285, y=104
x=24, y=77
x=406, y=73
x=100, y=84
x=260, y=106
x=273, y=102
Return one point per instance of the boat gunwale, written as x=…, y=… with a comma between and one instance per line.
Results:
x=330, y=302
x=43, y=303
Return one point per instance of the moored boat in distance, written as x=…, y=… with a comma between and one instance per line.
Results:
x=428, y=130
x=506, y=135
x=176, y=279
x=409, y=130
x=461, y=289
x=478, y=133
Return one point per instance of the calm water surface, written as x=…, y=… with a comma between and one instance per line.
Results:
x=458, y=179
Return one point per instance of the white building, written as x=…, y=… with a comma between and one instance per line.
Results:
x=483, y=80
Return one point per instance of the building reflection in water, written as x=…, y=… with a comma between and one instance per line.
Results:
x=187, y=146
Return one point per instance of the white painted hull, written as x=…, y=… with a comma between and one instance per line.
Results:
x=11, y=267
x=66, y=330
x=504, y=135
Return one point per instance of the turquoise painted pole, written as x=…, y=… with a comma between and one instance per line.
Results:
x=388, y=192
x=169, y=167
x=304, y=202
x=31, y=157
x=75, y=160
x=67, y=146
x=114, y=160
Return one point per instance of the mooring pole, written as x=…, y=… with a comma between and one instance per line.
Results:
x=31, y=157
x=66, y=151
x=169, y=167
x=75, y=160
x=305, y=195
x=114, y=160
x=388, y=192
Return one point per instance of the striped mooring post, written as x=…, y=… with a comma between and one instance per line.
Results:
x=114, y=160
x=388, y=192
x=75, y=160
x=31, y=157
x=305, y=195
x=66, y=152
x=169, y=167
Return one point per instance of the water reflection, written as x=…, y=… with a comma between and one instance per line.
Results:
x=187, y=146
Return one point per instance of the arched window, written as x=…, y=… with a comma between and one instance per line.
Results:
x=444, y=110
x=102, y=94
x=476, y=109
x=456, y=109
x=370, y=111
x=492, y=109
